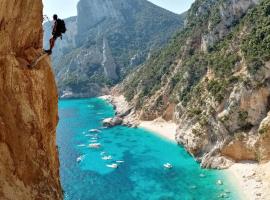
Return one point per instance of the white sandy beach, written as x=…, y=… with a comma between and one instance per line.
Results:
x=252, y=180
x=160, y=127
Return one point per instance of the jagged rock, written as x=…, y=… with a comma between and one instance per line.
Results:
x=263, y=144
x=125, y=113
x=110, y=122
x=239, y=150
x=29, y=165
x=216, y=162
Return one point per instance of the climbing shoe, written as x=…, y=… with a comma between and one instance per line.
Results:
x=49, y=52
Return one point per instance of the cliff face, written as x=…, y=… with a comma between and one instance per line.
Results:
x=29, y=166
x=225, y=15
x=215, y=75
x=112, y=37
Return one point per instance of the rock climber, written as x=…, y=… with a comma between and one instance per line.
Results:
x=58, y=29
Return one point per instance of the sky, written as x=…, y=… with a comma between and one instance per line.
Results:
x=68, y=8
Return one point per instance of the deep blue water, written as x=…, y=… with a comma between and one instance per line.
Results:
x=141, y=176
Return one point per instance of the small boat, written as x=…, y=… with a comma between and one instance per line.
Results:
x=102, y=153
x=193, y=187
x=80, y=158
x=168, y=165
x=114, y=166
x=81, y=145
x=95, y=145
x=219, y=182
x=94, y=131
x=202, y=175
x=120, y=161
x=93, y=141
x=106, y=158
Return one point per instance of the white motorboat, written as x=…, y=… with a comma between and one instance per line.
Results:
x=168, y=165
x=202, y=175
x=80, y=158
x=95, y=145
x=219, y=182
x=94, y=131
x=114, y=166
x=106, y=158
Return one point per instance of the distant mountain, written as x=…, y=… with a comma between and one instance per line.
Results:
x=106, y=41
x=213, y=81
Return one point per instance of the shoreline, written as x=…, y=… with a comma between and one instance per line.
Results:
x=159, y=127
x=252, y=180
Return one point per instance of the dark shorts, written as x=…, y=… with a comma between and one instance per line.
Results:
x=56, y=35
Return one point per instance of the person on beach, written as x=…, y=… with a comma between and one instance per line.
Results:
x=58, y=29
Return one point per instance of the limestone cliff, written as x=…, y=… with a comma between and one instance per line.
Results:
x=213, y=80
x=29, y=165
x=105, y=41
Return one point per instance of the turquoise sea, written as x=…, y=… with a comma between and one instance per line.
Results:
x=142, y=176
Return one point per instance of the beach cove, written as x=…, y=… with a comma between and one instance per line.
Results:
x=250, y=179
x=141, y=174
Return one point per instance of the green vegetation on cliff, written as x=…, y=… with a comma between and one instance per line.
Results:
x=246, y=42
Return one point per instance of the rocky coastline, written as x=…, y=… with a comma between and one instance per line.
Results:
x=251, y=179
x=124, y=113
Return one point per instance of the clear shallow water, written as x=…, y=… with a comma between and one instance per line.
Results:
x=141, y=176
